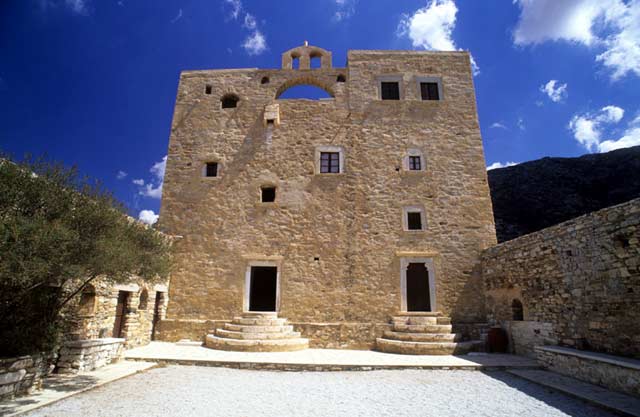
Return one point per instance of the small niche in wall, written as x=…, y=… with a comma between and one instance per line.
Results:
x=517, y=310
x=268, y=194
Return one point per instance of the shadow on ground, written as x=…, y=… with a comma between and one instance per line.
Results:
x=52, y=386
x=546, y=395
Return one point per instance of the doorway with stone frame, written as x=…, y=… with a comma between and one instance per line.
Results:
x=417, y=282
x=261, y=287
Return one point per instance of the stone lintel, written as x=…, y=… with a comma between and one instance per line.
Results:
x=417, y=254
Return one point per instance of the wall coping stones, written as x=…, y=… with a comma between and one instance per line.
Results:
x=594, y=356
x=93, y=342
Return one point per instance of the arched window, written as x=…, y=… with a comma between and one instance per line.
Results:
x=517, y=310
x=144, y=300
x=295, y=61
x=230, y=101
x=315, y=60
x=87, y=304
x=264, y=80
x=341, y=78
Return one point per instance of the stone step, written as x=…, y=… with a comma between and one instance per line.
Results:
x=420, y=320
x=260, y=314
x=260, y=321
x=419, y=314
x=422, y=328
x=257, y=329
x=422, y=337
x=256, y=336
x=272, y=345
x=425, y=348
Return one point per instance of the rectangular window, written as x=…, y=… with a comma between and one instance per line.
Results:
x=207, y=89
x=268, y=194
x=390, y=90
x=429, y=91
x=329, y=162
x=414, y=220
x=415, y=163
x=211, y=169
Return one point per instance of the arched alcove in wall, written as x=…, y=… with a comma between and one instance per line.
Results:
x=304, y=87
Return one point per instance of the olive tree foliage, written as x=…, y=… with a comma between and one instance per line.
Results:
x=58, y=233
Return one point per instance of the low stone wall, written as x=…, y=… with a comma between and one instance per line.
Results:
x=24, y=374
x=615, y=373
x=578, y=282
x=87, y=355
x=524, y=336
x=341, y=335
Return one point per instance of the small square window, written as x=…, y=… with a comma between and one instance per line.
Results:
x=329, y=162
x=429, y=91
x=415, y=163
x=389, y=90
x=414, y=220
x=211, y=169
x=207, y=89
x=268, y=194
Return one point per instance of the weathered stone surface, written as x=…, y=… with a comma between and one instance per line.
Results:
x=335, y=238
x=418, y=333
x=579, y=283
x=87, y=355
x=275, y=337
x=619, y=374
x=24, y=374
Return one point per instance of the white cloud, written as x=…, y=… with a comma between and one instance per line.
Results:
x=556, y=91
x=520, y=124
x=497, y=165
x=609, y=25
x=431, y=28
x=498, y=125
x=236, y=7
x=138, y=181
x=249, y=22
x=148, y=216
x=77, y=6
x=345, y=9
x=588, y=130
x=121, y=175
x=178, y=16
x=153, y=188
x=255, y=44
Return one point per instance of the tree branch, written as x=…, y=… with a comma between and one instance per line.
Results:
x=73, y=294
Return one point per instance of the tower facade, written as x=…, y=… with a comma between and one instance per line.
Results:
x=336, y=213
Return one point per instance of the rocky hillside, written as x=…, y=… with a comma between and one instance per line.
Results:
x=537, y=194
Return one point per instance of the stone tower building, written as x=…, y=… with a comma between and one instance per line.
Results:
x=335, y=213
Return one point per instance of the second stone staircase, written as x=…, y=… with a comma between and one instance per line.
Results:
x=257, y=332
x=423, y=333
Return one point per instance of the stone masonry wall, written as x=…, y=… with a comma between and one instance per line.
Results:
x=337, y=239
x=24, y=374
x=95, y=313
x=87, y=355
x=579, y=281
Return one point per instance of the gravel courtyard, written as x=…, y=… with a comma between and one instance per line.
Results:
x=200, y=391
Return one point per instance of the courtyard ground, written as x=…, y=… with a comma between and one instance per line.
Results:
x=206, y=391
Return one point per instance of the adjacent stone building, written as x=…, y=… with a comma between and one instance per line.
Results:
x=336, y=213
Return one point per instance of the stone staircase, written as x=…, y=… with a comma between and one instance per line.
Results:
x=423, y=333
x=257, y=332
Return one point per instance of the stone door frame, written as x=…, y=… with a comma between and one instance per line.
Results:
x=247, y=283
x=429, y=264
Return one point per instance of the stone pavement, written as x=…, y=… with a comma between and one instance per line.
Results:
x=620, y=403
x=321, y=359
x=58, y=387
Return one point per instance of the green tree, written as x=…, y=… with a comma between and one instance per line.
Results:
x=58, y=233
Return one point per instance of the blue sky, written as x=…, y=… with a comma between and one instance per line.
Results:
x=92, y=83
